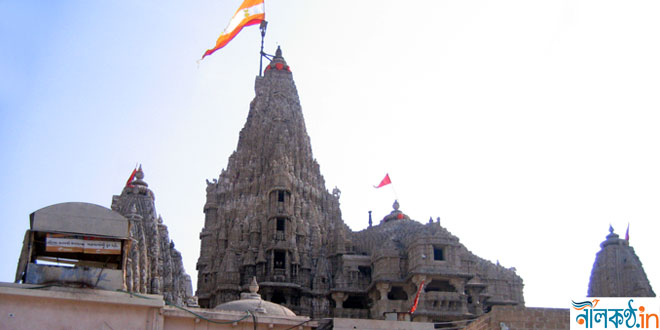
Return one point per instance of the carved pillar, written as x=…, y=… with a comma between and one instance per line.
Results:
x=417, y=280
x=459, y=284
x=339, y=298
x=383, y=289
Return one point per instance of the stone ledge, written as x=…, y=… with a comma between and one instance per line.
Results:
x=89, y=295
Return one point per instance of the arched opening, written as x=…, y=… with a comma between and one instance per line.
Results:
x=397, y=293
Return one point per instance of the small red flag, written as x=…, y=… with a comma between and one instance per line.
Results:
x=130, y=178
x=386, y=180
x=414, y=306
x=627, y=235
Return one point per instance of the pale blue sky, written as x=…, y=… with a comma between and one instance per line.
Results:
x=528, y=126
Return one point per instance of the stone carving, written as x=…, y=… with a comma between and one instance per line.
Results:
x=336, y=193
x=617, y=271
x=153, y=264
x=269, y=215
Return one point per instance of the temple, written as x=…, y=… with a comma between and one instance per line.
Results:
x=153, y=264
x=269, y=215
x=617, y=271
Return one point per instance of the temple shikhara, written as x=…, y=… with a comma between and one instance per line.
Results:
x=153, y=264
x=617, y=271
x=270, y=215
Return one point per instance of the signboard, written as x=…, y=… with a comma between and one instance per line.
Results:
x=84, y=244
x=101, y=246
x=64, y=243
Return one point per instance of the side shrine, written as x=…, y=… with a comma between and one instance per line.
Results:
x=269, y=215
x=85, y=245
x=617, y=271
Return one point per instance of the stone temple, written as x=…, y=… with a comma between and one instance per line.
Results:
x=270, y=215
x=153, y=264
x=617, y=271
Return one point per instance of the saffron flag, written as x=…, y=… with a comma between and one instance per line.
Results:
x=627, y=235
x=386, y=180
x=130, y=178
x=414, y=306
x=249, y=13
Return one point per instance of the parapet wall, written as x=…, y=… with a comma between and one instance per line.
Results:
x=522, y=318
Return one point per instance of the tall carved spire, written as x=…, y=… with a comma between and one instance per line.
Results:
x=617, y=271
x=261, y=211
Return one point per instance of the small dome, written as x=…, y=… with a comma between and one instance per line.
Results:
x=252, y=302
x=277, y=63
x=395, y=214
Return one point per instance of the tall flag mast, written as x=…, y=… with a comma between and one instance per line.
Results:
x=250, y=12
x=262, y=27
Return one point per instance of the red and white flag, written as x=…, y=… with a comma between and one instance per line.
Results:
x=386, y=180
x=249, y=13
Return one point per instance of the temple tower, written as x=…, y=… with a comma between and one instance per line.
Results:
x=153, y=265
x=269, y=213
x=617, y=271
x=270, y=216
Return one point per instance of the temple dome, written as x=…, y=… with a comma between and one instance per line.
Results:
x=395, y=214
x=252, y=302
x=277, y=63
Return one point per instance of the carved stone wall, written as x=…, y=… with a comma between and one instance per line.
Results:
x=153, y=264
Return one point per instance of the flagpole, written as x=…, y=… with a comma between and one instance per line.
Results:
x=263, y=27
x=396, y=197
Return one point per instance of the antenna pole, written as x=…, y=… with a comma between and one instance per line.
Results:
x=262, y=27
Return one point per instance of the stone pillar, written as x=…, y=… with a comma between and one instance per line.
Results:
x=339, y=298
x=417, y=280
x=383, y=289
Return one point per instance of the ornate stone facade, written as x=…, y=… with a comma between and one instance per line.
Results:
x=388, y=262
x=270, y=215
x=153, y=265
x=617, y=271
